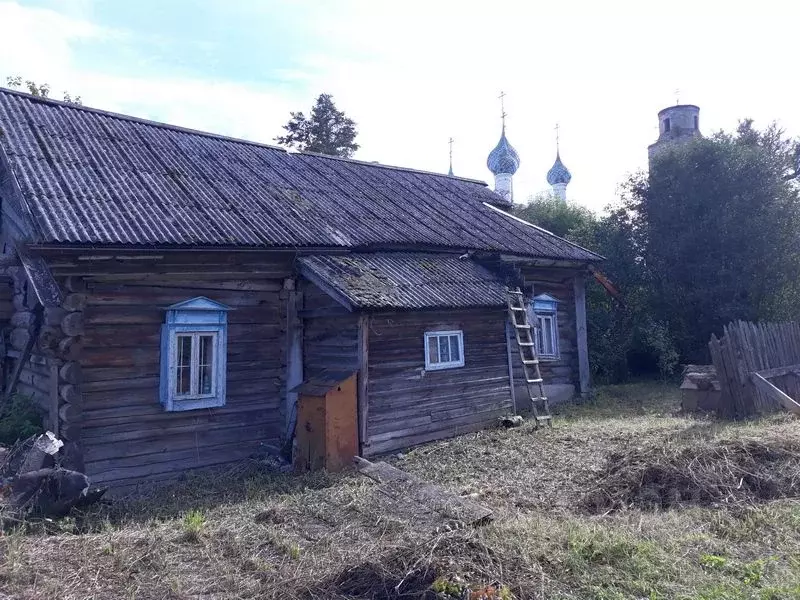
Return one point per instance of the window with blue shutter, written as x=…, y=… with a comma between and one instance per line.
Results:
x=193, y=355
x=545, y=309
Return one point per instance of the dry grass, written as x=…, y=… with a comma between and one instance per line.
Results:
x=252, y=534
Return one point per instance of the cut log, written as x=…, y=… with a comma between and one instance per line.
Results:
x=396, y=482
x=70, y=413
x=74, y=283
x=70, y=372
x=22, y=319
x=72, y=324
x=19, y=338
x=70, y=431
x=18, y=300
x=70, y=347
x=74, y=302
x=69, y=393
x=17, y=275
x=49, y=338
x=48, y=492
x=53, y=315
x=41, y=453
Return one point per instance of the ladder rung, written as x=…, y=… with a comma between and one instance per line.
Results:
x=539, y=399
x=534, y=380
x=516, y=292
x=519, y=308
x=522, y=326
x=530, y=362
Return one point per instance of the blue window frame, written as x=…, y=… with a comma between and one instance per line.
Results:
x=194, y=355
x=545, y=311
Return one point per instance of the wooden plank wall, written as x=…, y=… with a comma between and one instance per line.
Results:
x=125, y=434
x=331, y=333
x=408, y=405
x=564, y=370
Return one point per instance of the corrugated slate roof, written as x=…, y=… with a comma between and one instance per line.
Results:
x=407, y=280
x=89, y=176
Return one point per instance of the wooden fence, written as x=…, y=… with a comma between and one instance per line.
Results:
x=757, y=366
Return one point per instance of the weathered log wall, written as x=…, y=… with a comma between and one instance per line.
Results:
x=6, y=300
x=39, y=370
x=563, y=370
x=125, y=435
x=331, y=333
x=408, y=405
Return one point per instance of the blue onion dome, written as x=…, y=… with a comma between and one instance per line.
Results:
x=503, y=159
x=558, y=173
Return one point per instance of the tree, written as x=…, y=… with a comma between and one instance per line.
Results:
x=38, y=89
x=613, y=328
x=327, y=131
x=714, y=227
x=567, y=220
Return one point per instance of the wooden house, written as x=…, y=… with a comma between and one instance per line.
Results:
x=167, y=290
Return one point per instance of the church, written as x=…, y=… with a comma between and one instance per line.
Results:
x=503, y=162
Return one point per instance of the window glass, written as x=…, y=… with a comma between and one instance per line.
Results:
x=455, y=351
x=444, y=348
x=183, y=376
x=547, y=335
x=206, y=365
x=433, y=350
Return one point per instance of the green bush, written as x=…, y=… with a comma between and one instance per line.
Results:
x=19, y=420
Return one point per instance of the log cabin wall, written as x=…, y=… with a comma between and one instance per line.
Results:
x=39, y=370
x=408, y=405
x=6, y=300
x=330, y=333
x=558, y=283
x=125, y=436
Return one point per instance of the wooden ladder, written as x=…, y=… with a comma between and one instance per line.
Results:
x=518, y=313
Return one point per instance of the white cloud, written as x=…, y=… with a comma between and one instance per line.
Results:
x=413, y=74
x=39, y=46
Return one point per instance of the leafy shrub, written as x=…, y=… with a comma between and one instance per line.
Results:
x=19, y=420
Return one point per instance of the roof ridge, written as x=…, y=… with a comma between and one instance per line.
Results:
x=124, y=117
x=180, y=128
x=374, y=163
x=542, y=229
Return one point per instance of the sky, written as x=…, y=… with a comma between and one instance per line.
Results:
x=415, y=73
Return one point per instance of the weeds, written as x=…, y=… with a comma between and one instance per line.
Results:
x=193, y=524
x=263, y=535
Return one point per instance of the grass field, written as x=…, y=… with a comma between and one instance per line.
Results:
x=621, y=499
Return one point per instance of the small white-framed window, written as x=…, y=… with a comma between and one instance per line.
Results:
x=193, y=355
x=545, y=309
x=444, y=350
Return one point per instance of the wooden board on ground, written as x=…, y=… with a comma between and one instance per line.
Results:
x=399, y=483
x=776, y=394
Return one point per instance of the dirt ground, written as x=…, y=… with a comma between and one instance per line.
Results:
x=622, y=498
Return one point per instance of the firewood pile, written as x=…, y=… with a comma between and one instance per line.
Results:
x=32, y=484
